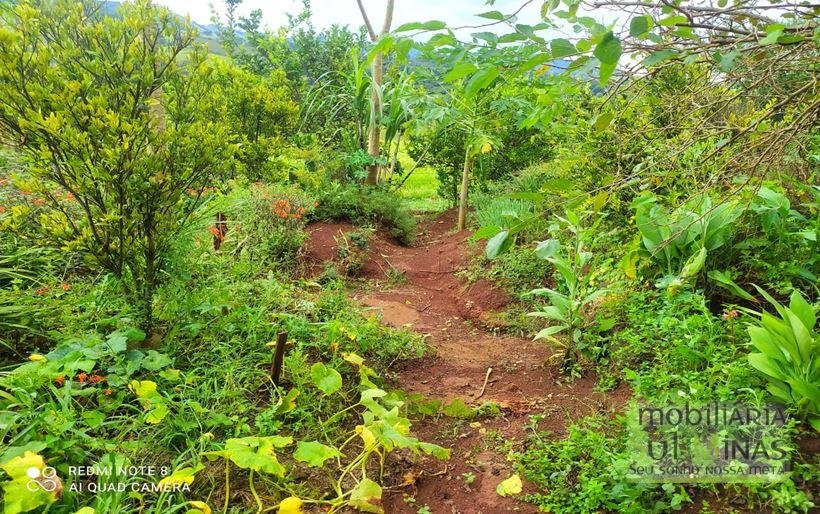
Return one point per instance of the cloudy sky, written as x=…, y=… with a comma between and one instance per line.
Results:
x=345, y=12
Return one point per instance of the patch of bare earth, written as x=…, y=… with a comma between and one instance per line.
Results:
x=455, y=319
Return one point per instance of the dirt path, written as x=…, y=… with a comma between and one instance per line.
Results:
x=455, y=318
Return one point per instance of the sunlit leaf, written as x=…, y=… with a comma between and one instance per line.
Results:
x=327, y=379
x=510, y=486
x=314, y=453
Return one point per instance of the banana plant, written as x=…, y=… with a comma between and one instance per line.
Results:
x=571, y=261
x=788, y=354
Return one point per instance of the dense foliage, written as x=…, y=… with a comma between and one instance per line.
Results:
x=645, y=191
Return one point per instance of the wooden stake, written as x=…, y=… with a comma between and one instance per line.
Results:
x=278, y=357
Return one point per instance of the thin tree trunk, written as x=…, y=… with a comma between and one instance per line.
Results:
x=395, y=157
x=374, y=134
x=462, y=200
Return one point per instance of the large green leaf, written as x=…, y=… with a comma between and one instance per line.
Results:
x=327, y=379
x=639, y=25
x=460, y=71
x=256, y=453
x=608, y=51
x=606, y=71
x=417, y=25
x=658, y=57
x=492, y=15
x=603, y=120
x=694, y=264
x=498, y=244
x=723, y=280
x=766, y=365
x=801, y=308
x=547, y=248
x=481, y=80
x=548, y=332
x=435, y=450
x=561, y=47
x=314, y=453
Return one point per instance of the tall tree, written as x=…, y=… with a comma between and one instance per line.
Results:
x=377, y=67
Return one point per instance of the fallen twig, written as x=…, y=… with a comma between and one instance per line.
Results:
x=484, y=387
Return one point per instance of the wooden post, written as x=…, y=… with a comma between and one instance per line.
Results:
x=278, y=357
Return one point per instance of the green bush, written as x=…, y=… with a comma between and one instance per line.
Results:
x=115, y=130
x=259, y=114
x=520, y=270
x=586, y=473
x=444, y=151
x=666, y=347
x=366, y=205
x=500, y=211
x=788, y=352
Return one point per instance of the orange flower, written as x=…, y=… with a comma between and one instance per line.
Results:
x=2, y=209
x=70, y=197
x=731, y=314
x=39, y=202
x=82, y=377
x=96, y=379
x=4, y=182
x=315, y=204
x=215, y=231
x=66, y=286
x=108, y=392
x=60, y=380
x=41, y=291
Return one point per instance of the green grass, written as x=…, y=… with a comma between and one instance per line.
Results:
x=420, y=190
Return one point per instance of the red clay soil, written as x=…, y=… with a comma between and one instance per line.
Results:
x=453, y=317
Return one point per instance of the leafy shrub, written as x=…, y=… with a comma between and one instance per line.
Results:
x=520, y=270
x=579, y=289
x=275, y=220
x=680, y=241
x=115, y=130
x=357, y=163
x=777, y=242
x=586, y=473
x=354, y=248
x=366, y=205
x=259, y=114
x=788, y=354
x=671, y=346
x=444, y=151
x=501, y=212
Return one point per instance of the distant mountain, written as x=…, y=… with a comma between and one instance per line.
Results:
x=208, y=34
